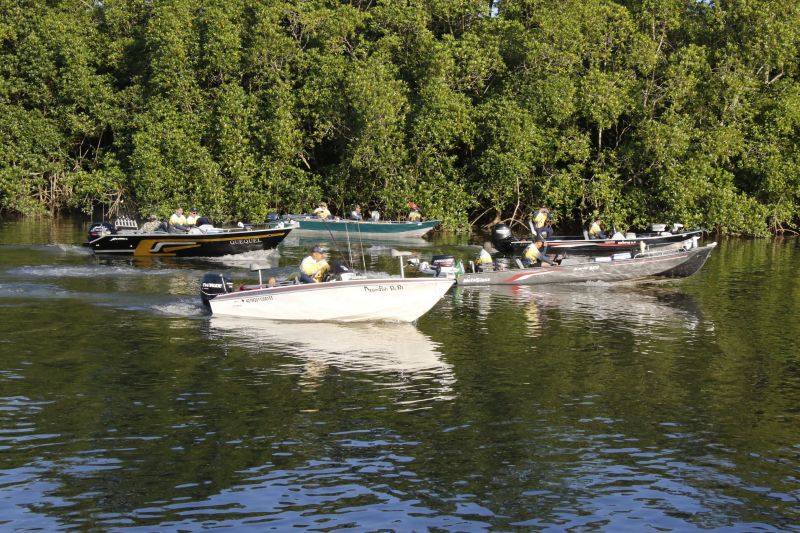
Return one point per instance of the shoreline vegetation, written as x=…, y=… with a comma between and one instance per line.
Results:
x=480, y=112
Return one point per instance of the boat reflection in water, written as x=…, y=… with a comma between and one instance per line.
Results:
x=637, y=307
x=397, y=354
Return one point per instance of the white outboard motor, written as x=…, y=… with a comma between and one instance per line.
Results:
x=214, y=285
x=501, y=238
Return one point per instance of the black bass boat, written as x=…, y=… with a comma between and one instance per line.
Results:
x=620, y=267
x=506, y=243
x=124, y=239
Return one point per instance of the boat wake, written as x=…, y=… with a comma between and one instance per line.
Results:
x=83, y=271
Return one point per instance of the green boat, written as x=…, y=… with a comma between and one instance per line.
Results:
x=365, y=228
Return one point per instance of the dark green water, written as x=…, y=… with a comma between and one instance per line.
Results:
x=660, y=406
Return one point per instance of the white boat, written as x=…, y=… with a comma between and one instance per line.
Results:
x=348, y=298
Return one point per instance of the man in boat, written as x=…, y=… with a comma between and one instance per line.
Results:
x=540, y=221
x=485, y=258
x=152, y=225
x=356, y=213
x=314, y=266
x=322, y=211
x=534, y=254
x=596, y=230
x=191, y=220
x=178, y=220
x=414, y=215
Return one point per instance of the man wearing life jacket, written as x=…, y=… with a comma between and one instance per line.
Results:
x=414, y=215
x=356, y=213
x=191, y=220
x=314, y=266
x=485, y=256
x=596, y=230
x=533, y=253
x=540, y=223
x=322, y=211
x=178, y=221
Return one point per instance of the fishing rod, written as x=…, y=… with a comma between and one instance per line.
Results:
x=336, y=244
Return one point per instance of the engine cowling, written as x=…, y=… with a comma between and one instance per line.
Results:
x=213, y=285
x=501, y=238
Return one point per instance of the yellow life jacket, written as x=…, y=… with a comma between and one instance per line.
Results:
x=314, y=269
x=540, y=219
x=532, y=253
x=414, y=216
x=484, y=258
x=594, y=229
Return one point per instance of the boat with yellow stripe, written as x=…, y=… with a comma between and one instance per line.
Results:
x=127, y=240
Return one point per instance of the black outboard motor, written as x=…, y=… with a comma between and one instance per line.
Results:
x=501, y=238
x=213, y=285
x=337, y=269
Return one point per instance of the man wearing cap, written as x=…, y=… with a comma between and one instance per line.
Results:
x=533, y=253
x=540, y=223
x=356, y=214
x=151, y=225
x=314, y=266
x=191, y=220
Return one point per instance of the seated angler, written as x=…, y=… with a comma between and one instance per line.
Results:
x=534, y=255
x=178, y=221
x=322, y=211
x=191, y=220
x=314, y=266
x=152, y=225
x=414, y=215
x=596, y=230
x=485, y=258
x=356, y=213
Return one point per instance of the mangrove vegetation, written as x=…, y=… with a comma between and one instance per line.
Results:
x=479, y=111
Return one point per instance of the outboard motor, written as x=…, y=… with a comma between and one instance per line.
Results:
x=443, y=261
x=213, y=285
x=98, y=229
x=501, y=238
x=341, y=272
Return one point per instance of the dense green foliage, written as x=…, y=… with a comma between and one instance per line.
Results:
x=639, y=111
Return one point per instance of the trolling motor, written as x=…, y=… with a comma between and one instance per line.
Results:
x=214, y=285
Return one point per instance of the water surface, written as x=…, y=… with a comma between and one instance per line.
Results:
x=667, y=405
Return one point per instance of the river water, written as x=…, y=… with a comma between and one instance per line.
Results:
x=651, y=406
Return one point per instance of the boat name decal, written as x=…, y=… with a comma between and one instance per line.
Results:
x=119, y=239
x=258, y=299
x=246, y=241
x=587, y=268
x=384, y=288
x=475, y=280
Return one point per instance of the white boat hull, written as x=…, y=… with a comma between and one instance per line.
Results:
x=360, y=300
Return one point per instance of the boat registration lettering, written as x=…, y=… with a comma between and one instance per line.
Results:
x=384, y=288
x=466, y=280
x=257, y=299
x=588, y=268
